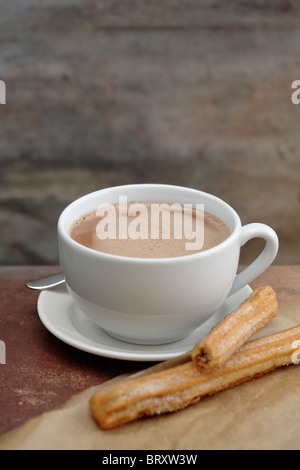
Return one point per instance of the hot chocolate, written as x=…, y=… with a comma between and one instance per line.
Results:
x=148, y=230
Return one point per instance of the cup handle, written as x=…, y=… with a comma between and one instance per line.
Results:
x=263, y=261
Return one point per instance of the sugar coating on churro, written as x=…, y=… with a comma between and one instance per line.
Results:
x=180, y=386
x=233, y=331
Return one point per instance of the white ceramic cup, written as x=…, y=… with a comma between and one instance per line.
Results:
x=155, y=301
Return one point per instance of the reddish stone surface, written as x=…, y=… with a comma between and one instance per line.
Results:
x=41, y=372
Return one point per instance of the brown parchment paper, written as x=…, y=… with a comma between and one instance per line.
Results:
x=261, y=414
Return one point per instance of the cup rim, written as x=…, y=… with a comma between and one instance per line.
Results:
x=62, y=232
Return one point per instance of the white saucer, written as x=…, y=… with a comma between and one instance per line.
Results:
x=61, y=316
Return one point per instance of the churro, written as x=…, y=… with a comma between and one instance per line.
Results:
x=183, y=385
x=233, y=331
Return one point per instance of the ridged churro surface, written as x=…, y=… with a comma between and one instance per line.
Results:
x=233, y=331
x=175, y=388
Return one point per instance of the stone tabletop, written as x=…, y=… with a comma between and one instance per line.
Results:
x=41, y=372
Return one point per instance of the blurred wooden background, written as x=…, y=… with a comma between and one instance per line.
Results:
x=108, y=92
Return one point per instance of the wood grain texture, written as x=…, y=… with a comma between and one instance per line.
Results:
x=107, y=92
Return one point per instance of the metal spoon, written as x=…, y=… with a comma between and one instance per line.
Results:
x=46, y=282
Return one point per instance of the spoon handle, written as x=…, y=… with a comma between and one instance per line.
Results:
x=46, y=282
